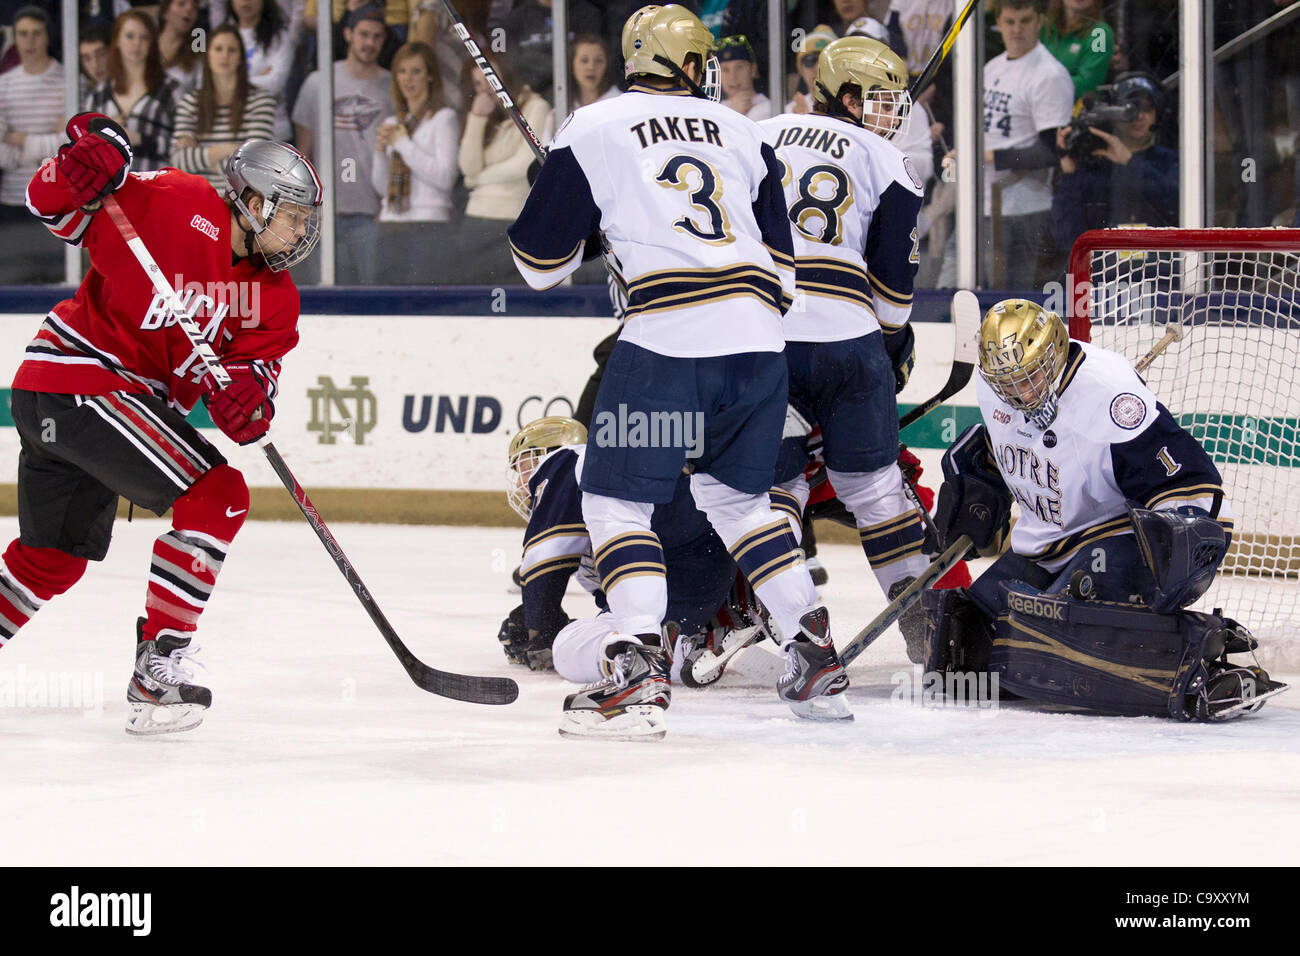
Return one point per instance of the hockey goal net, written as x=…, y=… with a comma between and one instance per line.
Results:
x=1233, y=381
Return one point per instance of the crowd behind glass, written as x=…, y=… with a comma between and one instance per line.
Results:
x=428, y=172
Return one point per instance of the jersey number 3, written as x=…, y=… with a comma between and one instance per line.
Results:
x=678, y=173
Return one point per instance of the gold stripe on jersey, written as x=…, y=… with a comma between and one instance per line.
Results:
x=743, y=270
x=888, y=526
x=1149, y=677
x=900, y=299
x=563, y=562
x=624, y=539
x=1073, y=542
x=753, y=539
x=556, y=531
x=1185, y=493
x=545, y=265
x=810, y=278
x=779, y=257
x=761, y=575
x=686, y=301
x=897, y=554
x=786, y=502
x=623, y=572
x=698, y=286
x=1071, y=370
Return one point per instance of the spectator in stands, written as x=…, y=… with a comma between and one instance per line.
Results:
x=265, y=31
x=1132, y=181
x=416, y=166
x=362, y=97
x=181, y=61
x=92, y=52
x=739, y=73
x=1076, y=34
x=138, y=94
x=31, y=128
x=528, y=38
x=923, y=24
x=494, y=158
x=226, y=109
x=810, y=51
x=589, y=71
x=433, y=26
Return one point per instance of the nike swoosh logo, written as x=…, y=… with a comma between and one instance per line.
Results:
x=234, y=514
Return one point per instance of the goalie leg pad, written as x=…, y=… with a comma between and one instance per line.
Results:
x=958, y=634
x=1182, y=551
x=1117, y=659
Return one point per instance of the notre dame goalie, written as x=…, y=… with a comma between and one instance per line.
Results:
x=1122, y=526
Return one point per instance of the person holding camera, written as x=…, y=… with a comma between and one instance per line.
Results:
x=1113, y=171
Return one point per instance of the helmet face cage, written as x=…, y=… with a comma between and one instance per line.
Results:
x=518, y=474
x=280, y=222
x=1037, y=380
x=887, y=113
x=712, y=82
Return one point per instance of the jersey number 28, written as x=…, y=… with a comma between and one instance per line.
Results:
x=825, y=194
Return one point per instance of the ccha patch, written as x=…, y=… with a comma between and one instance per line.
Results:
x=1127, y=410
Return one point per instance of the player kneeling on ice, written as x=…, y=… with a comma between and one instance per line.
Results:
x=689, y=198
x=1122, y=525
x=546, y=463
x=100, y=399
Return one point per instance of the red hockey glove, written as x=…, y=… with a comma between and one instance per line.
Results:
x=241, y=410
x=96, y=159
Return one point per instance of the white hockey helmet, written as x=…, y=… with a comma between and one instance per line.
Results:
x=288, y=185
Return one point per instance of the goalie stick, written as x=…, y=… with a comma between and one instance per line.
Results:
x=965, y=353
x=474, y=690
x=507, y=103
x=880, y=623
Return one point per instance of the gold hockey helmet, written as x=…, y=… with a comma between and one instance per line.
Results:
x=658, y=40
x=530, y=445
x=1023, y=349
x=871, y=70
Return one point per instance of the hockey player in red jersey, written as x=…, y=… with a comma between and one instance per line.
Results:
x=100, y=399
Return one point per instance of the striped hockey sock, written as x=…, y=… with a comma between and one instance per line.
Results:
x=181, y=577
x=29, y=577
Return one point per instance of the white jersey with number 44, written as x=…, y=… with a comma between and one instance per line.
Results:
x=1023, y=97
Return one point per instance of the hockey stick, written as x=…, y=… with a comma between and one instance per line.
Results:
x=926, y=76
x=1173, y=333
x=937, y=569
x=474, y=690
x=508, y=104
x=965, y=353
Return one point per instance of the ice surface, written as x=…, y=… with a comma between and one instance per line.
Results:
x=319, y=750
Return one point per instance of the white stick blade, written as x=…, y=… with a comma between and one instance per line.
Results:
x=966, y=319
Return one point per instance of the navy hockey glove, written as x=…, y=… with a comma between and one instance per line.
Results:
x=971, y=505
x=900, y=343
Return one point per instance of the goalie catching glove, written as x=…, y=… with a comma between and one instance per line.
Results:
x=96, y=159
x=243, y=409
x=974, y=500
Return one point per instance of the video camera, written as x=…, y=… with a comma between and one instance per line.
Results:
x=1111, y=105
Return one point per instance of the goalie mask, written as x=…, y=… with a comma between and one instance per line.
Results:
x=530, y=445
x=289, y=226
x=1022, y=355
x=659, y=40
x=870, y=71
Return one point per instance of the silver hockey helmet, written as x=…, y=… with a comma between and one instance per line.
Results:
x=291, y=199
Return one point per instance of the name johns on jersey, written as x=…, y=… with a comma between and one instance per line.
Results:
x=1020, y=464
x=638, y=429
x=687, y=129
x=811, y=137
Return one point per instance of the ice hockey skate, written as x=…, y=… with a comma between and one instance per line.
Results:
x=814, y=680
x=161, y=698
x=629, y=703
x=707, y=657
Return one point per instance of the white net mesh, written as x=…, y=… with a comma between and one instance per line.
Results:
x=1233, y=381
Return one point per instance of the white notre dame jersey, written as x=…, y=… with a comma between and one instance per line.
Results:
x=690, y=200
x=1111, y=442
x=853, y=199
x=1023, y=97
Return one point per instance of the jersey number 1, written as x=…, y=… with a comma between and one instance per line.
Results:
x=676, y=174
